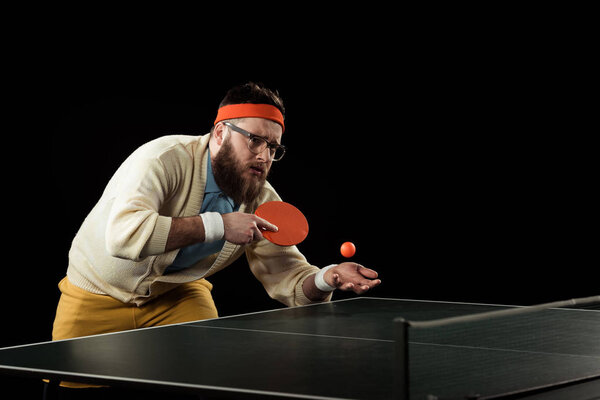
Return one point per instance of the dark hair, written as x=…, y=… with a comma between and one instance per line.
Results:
x=253, y=93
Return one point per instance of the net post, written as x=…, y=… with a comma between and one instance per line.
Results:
x=401, y=372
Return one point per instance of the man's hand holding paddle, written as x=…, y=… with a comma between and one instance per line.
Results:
x=242, y=228
x=279, y=222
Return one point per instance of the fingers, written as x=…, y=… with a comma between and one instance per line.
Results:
x=242, y=228
x=343, y=286
x=367, y=273
x=265, y=225
x=260, y=225
x=256, y=235
x=358, y=283
x=360, y=287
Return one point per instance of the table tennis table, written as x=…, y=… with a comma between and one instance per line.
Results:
x=345, y=349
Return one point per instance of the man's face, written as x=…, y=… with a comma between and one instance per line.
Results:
x=239, y=172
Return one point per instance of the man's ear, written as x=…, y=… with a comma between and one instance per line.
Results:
x=219, y=133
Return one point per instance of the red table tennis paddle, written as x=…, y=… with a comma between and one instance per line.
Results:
x=292, y=224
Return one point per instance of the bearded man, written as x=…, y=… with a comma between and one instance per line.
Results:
x=179, y=209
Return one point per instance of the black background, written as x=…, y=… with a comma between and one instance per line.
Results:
x=462, y=172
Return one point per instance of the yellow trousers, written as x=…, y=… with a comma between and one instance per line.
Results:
x=81, y=313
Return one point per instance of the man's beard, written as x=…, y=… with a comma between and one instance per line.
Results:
x=229, y=175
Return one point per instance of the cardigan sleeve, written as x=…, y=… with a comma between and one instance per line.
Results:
x=281, y=270
x=135, y=229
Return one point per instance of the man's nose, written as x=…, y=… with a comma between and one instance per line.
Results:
x=265, y=155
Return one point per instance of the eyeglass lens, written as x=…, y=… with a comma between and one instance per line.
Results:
x=258, y=145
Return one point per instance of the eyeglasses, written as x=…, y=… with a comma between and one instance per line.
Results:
x=257, y=144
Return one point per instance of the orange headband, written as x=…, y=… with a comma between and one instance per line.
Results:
x=247, y=110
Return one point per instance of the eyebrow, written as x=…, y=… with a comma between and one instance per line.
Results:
x=267, y=137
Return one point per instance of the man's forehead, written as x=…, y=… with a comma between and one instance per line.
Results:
x=270, y=130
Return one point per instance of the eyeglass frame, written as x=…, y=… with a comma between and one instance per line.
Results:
x=251, y=136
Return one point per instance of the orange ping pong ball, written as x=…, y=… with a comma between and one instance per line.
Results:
x=348, y=249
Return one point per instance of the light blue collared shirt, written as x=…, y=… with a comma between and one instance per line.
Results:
x=216, y=201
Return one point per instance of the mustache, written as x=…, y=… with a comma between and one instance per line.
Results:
x=258, y=165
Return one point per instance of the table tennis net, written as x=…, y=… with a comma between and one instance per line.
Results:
x=500, y=352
